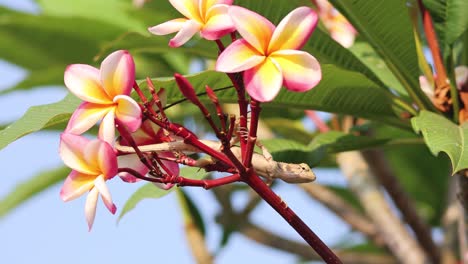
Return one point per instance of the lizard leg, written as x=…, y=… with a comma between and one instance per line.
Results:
x=265, y=151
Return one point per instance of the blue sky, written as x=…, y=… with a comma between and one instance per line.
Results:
x=47, y=230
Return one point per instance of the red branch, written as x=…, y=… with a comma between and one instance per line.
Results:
x=291, y=217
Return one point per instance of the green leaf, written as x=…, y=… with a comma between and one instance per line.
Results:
x=45, y=45
x=287, y=150
x=139, y=43
x=31, y=187
x=38, y=41
x=336, y=141
x=288, y=128
x=115, y=12
x=39, y=117
x=440, y=134
x=190, y=211
x=386, y=25
x=374, y=62
x=150, y=191
x=340, y=91
x=450, y=19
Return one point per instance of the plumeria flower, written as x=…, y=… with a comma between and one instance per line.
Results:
x=269, y=55
x=105, y=93
x=340, y=29
x=149, y=133
x=93, y=162
x=209, y=17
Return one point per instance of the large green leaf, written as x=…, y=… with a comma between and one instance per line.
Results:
x=26, y=190
x=441, y=134
x=149, y=191
x=450, y=19
x=45, y=45
x=39, y=117
x=288, y=128
x=287, y=150
x=387, y=27
x=145, y=43
x=371, y=59
x=114, y=12
x=37, y=42
x=340, y=91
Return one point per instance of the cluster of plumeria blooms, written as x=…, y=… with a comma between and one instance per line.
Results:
x=266, y=57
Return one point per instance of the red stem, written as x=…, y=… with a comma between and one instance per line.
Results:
x=290, y=216
x=254, y=118
x=191, y=139
x=441, y=77
x=208, y=184
x=321, y=126
x=182, y=181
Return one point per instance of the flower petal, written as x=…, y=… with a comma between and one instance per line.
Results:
x=131, y=161
x=71, y=150
x=294, y=30
x=190, y=28
x=301, y=71
x=90, y=207
x=128, y=112
x=217, y=23
x=173, y=167
x=188, y=8
x=83, y=81
x=237, y=57
x=75, y=185
x=102, y=156
x=264, y=81
x=427, y=88
x=100, y=184
x=343, y=36
x=86, y=116
x=205, y=5
x=254, y=28
x=107, y=127
x=118, y=73
x=461, y=76
x=168, y=27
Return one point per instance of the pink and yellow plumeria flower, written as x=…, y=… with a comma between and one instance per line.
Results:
x=269, y=55
x=105, y=93
x=209, y=17
x=340, y=29
x=93, y=162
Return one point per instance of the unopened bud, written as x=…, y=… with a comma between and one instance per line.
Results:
x=186, y=88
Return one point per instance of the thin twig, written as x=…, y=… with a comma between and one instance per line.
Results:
x=380, y=168
x=265, y=237
x=393, y=231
